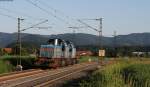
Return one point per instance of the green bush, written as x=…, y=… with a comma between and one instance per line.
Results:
x=26, y=61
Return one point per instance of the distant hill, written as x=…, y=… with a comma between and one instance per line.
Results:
x=5, y=39
x=81, y=39
x=140, y=39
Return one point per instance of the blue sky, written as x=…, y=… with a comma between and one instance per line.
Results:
x=124, y=16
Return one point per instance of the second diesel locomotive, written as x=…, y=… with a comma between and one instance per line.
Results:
x=57, y=53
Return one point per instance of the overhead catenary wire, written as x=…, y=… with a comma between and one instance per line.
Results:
x=88, y=26
x=35, y=25
x=43, y=9
x=48, y=12
x=55, y=10
x=24, y=15
x=59, y=13
x=9, y=16
x=21, y=13
x=12, y=17
x=15, y=18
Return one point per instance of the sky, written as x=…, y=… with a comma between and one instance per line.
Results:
x=123, y=16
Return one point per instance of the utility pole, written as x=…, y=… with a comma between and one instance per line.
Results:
x=115, y=43
x=100, y=39
x=19, y=66
x=99, y=30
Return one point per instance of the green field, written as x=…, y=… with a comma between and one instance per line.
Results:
x=123, y=73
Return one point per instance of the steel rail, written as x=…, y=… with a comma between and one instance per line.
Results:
x=50, y=83
x=39, y=79
x=18, y=74
x=13, y=81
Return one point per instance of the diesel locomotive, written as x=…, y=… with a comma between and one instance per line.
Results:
x=57, y=53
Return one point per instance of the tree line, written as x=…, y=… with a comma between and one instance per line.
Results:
x=111, y=51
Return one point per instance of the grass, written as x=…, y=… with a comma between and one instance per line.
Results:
x=26, y=61
x=8, y=63
x=138, y=75
x=5, y=67
x=124, y=73
x=86, y=58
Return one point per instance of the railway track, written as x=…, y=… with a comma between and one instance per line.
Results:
x=16, y=72
x=63, y=76
x=44, y=77
x=13, y=75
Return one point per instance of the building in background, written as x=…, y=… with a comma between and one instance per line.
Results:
x=6, y=50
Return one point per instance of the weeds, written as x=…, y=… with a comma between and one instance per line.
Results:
x=124, y=73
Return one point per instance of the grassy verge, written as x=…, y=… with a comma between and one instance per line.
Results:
x=124, y=73
x=137, y=75
x=8, y=63
x=26, y=61
x=5, y=67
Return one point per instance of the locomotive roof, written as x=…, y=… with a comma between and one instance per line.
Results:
x=55, y=38
x=60, y=40
x=52, y=39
